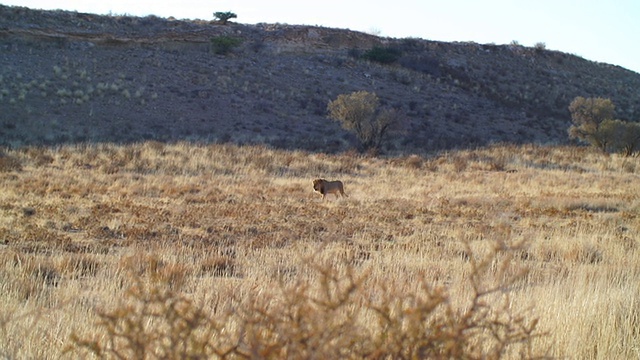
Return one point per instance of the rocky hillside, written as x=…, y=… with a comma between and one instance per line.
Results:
x=73, y=77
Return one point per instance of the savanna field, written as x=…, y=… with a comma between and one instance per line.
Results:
x=174, y=251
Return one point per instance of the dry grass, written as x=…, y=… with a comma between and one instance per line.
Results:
x=178, y=250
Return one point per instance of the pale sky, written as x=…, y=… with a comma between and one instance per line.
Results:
x=604, y=31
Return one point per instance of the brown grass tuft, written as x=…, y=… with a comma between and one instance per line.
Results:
x=9, y=163
x=219, y=266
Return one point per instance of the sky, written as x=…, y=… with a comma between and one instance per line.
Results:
x=597, y=30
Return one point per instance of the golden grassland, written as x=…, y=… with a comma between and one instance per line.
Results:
x=183, y=250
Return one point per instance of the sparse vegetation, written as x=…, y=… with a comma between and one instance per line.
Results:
x=284, y=72
x=540, y=46
x=222, y=45
x=383, y=55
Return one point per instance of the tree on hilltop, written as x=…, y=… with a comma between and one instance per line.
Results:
x=224, y=16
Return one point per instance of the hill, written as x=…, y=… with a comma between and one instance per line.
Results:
x=70, y=77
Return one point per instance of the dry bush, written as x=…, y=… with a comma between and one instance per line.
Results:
x=381, y=322
x=460, y=163
x=155, y=323
x=341, y=312
x=413, y=162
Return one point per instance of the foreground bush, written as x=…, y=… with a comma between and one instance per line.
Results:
x=340, y=314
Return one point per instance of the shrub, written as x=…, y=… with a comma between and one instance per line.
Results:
x=156, y=323
x=623, y=137
x=630, y=140
x=540, y=47
x=383, y=55
x=222, y=45
x=342, y=313
x=587, y=115
x=359, y=112
x=593, y=123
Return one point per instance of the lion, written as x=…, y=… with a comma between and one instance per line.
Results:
x=325, y=187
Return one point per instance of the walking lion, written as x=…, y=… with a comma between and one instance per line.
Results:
x=325, y=187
